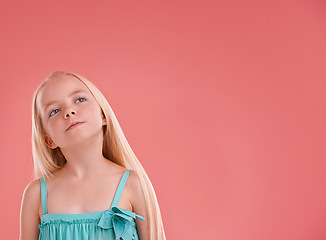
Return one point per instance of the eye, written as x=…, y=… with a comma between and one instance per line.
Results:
x=52, y=112
x=82, y=98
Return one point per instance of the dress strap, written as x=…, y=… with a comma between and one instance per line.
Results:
x=120, y=188
x=43, y=194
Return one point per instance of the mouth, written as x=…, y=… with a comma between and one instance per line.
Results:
x=74, y=125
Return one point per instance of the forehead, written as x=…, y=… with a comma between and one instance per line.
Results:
x=58, y=89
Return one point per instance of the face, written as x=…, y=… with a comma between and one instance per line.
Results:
x=64, y=101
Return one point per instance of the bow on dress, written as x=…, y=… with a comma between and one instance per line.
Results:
x=120, y=220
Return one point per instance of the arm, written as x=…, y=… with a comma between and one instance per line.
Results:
x=137, y=200
x=29, y=217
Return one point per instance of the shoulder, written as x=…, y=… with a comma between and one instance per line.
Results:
x=32, y=196
x=32, y=191
x=29, y=212
x=136, y=194
x=139, y=206
x=133, y=184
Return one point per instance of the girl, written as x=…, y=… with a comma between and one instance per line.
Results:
x=89, y=183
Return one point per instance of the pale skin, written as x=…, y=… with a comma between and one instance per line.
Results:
x=88, y=181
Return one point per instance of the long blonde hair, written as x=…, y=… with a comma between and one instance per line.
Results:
x=115, y=147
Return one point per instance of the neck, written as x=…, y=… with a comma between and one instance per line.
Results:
x=84, y=159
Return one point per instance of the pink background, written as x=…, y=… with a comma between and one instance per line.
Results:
x=223, y=103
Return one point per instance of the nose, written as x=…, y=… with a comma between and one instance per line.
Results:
x=70, y=112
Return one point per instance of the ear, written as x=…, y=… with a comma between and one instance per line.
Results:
x=49, y=142
x=104, y=121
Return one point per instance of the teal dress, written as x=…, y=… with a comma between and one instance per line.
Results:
x=112, y=224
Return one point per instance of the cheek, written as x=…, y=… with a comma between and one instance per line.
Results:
x=96, y=115
x=55, y=126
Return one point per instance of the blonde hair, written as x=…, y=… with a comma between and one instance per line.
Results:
x=115, y=147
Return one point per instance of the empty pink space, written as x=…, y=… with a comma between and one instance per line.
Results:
x=223, y=103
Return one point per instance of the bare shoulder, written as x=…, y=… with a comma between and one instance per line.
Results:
x=32, y=195
x=136, y=195
x=29, y=212
x=137, y=200
x=133, y=180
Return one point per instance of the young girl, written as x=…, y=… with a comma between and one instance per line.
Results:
x=89, y=183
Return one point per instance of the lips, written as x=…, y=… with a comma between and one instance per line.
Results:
x=74, y=124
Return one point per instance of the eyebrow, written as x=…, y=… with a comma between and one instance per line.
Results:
x=71, y=94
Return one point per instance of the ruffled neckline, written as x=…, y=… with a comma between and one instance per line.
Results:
x=121, y=221
x=88, y=215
